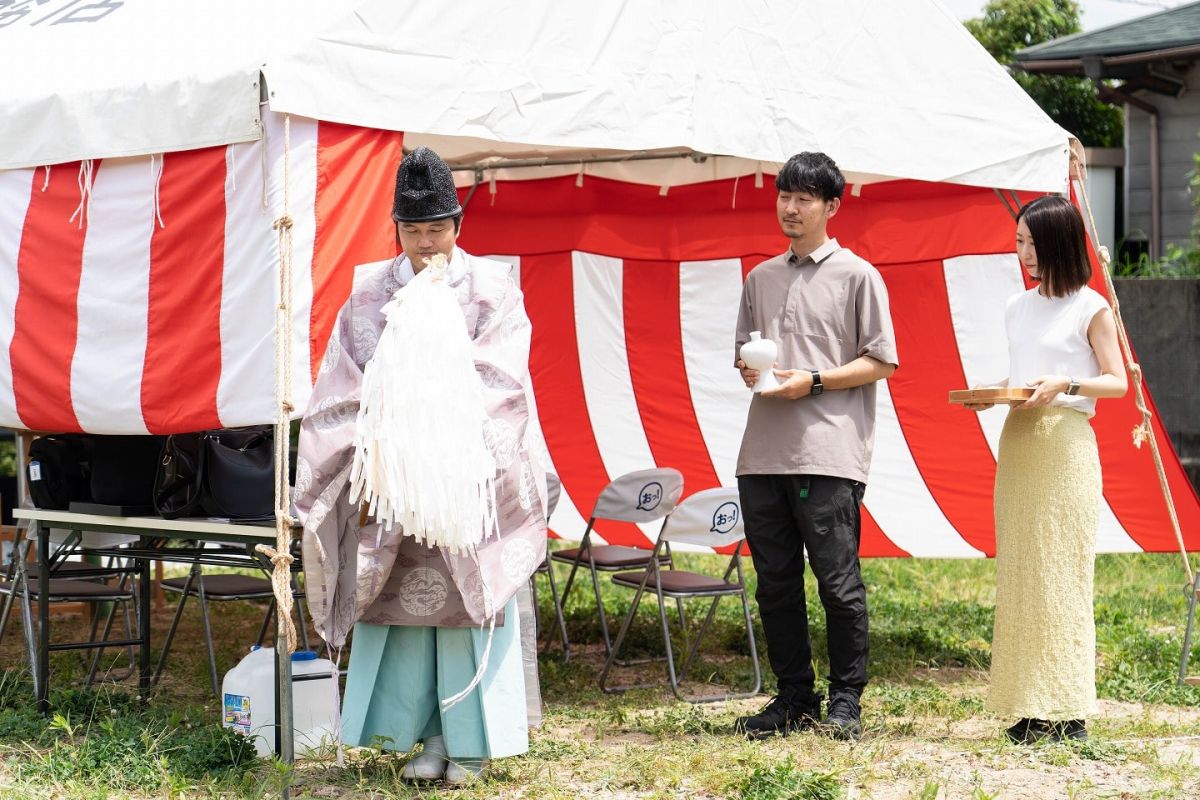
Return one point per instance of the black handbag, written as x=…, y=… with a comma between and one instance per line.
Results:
x=59, y=470
x=219, y=473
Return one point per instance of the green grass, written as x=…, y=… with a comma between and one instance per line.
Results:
x=927, y=732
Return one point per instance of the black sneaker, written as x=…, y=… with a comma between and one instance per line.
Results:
x=1073, y=730
x=843, y=720
x=780, y=717
x=1028, y=731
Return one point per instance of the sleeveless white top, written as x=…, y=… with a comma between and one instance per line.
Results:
x=1048, y=336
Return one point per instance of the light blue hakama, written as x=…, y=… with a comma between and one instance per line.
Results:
x=399, y=674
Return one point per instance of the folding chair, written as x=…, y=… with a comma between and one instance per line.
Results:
x=85, y=586
x=553, y=490
x=712, y=518
x=222, y=588
x=642, y=496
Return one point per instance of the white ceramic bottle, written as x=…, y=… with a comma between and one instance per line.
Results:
x=760, y=354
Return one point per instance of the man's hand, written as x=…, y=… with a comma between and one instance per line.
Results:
x=749, y=376
x=793, y=384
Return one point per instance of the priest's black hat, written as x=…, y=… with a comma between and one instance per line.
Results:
x=424, y=189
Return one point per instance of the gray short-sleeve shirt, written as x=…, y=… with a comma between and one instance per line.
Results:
x=824, y=311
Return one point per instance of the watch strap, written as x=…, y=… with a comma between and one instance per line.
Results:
x=817, y=386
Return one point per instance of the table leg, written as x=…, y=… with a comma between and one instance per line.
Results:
x=43, y=661
x=284, y=733
x=145, y=671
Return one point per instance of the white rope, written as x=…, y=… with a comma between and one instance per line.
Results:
x=156, y=169
x=280, y=554
x=86, y=179
x=46, y=182
x=1142, y=432
x=491, y=611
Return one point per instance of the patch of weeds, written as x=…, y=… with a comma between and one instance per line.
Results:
x=923, y=700
x=786, y=781
x=682, y=720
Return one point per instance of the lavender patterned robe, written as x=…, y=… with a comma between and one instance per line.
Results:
x=370, y=575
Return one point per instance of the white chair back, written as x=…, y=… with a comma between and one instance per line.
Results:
x=711, y=518
x=553, y=490
x=640, y=496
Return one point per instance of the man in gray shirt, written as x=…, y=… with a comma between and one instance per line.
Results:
x=806, y=451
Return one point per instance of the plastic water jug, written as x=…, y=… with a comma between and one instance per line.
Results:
x=249, y=699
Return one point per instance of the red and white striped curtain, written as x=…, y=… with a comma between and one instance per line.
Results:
x=136, y=295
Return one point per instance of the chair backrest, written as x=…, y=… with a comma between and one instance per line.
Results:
x=711, y=518
x=641, y=496
x=553, y=490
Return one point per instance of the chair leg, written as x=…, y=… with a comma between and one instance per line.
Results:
x=266, y=623
x=666, y=629
x=212, y=656
x=1191, y=589
x=621, y=634
x=98, y=653
x=22, y=579
x=162, y=657
x=10, y=574
x=600, y=605
x=298, y=602
x=558, y=607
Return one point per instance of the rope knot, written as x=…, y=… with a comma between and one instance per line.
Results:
x=283, y=223
x=1135, y=369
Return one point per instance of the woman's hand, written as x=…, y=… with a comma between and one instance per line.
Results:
x=979, y=406
x=1045, y=389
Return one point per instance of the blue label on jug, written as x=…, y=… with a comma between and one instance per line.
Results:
x=237, y=713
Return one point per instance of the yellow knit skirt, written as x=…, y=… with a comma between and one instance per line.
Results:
x=1047, y=506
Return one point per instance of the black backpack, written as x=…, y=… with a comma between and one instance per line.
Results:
x=59, y=470
x=124, y=468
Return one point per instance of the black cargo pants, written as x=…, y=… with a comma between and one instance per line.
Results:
x=787, y=516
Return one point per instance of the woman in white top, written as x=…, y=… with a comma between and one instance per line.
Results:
x=1062, y=342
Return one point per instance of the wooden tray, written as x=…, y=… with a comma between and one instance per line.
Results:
x=1001, y=395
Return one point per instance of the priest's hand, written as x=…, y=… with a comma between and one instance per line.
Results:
x=793, y=384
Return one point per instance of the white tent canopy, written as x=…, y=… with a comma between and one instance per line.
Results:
x=892, y=90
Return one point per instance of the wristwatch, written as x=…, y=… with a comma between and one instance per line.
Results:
x=817, y=386
x=1073, y=387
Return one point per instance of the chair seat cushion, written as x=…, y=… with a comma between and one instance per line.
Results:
x=68, y=589
x=223, y=586
x=677, y=581
x=609, y=556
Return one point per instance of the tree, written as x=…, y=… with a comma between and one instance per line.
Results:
x=1074, y=103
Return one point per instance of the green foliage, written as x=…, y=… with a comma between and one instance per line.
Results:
x=1011, y=25
x=785, y=781
x=8, y=458
x=1177, y=262
x=105, y=740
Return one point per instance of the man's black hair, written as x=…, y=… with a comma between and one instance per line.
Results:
x=811, y=173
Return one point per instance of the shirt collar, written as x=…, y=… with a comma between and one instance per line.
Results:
x=816, y=256
x=455, y=270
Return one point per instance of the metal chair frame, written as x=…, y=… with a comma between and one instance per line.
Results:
x=195, y=577
x=594, y=569
x=614, y=493
x=19, y=584
x=654, y=573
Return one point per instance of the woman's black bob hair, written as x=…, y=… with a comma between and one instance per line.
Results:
x=1060, y=241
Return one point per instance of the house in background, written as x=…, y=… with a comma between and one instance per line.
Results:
x=1157, y=59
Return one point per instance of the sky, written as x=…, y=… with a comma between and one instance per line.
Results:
x=1095, y=13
